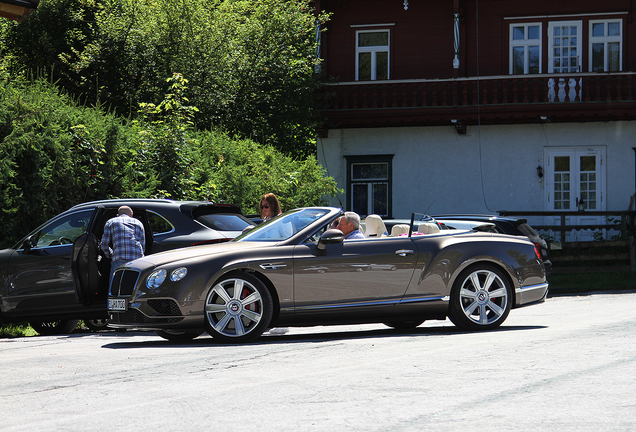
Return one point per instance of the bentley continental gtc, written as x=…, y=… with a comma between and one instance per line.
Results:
x=295, y=271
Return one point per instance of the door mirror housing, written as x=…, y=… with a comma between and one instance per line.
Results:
x=331, y=236
x=27, y=244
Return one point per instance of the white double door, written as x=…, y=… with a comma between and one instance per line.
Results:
x=574, y=181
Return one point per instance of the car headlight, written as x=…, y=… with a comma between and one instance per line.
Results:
x=156, y=278
x=178, y=274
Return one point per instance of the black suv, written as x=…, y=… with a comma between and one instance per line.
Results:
x=498, y=224
x=57, y=274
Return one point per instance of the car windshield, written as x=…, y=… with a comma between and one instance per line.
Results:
x=284, y=226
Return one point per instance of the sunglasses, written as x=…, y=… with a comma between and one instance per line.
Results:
x=264, y=206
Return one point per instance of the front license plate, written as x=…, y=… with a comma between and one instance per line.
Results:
x=117, y=305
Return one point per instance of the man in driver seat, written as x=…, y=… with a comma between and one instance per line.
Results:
x=127, y=237
x=350, y=226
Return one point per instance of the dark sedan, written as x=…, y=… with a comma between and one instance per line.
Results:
x=57, y=275
x=296, y=271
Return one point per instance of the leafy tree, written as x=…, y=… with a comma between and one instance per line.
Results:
x=165, y=145
x=250, y=64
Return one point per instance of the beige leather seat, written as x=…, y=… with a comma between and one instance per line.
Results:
x=374, y=226
x=399, y=229
x=428, y=228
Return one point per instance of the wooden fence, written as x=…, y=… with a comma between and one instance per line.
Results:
x=602, y=255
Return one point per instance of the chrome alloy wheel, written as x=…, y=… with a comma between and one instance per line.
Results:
x=234, y=308
x=484, y=297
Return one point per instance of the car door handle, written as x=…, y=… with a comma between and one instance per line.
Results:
x=403, y=252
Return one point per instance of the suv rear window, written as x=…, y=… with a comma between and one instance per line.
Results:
x=224, y=222
x=527, y=230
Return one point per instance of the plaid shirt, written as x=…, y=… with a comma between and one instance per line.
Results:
x=127, y=236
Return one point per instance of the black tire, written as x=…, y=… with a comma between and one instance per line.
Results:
x=54, y=327
x=97, y=324
x=403, y=325
x=238, y=309
x=481, y=298
x=179, y=335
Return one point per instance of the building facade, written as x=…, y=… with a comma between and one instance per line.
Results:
x=458, y=106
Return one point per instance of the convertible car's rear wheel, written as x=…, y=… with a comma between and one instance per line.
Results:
x=480, y=299
x=179, y=335
x=54, y=327
x=238, y=309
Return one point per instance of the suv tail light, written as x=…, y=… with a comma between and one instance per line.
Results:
x=537, y=251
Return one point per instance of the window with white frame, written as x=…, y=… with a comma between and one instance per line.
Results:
x=606, y=41
x=525, y=48
x=372, y=55
x=564, y=46
x=369, y=184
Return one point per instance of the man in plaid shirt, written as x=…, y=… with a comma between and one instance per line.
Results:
x=127, y=236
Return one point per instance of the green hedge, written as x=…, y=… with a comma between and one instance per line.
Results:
x=55, y=153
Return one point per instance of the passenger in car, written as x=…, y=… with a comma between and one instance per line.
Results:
x=350, y=226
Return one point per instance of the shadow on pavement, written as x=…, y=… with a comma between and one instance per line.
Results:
x=318, y=337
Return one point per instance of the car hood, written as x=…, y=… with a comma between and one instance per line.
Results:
x=196, y=253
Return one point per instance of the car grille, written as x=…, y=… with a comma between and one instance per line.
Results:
x=133, y=316
x=164, y=306
x=124, y=282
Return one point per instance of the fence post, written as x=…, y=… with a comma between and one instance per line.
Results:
x=563, y=228
x=632, y=252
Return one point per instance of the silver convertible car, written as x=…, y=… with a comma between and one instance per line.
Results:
x=295, y=271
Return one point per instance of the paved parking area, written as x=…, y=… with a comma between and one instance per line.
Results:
x=566, y=365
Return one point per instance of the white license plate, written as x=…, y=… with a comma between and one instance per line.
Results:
x=117, y=304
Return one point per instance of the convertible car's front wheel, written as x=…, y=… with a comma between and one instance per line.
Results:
x=238, y=309
x=480, y=299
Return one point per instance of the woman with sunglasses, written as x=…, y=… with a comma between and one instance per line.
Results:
x=270, y=207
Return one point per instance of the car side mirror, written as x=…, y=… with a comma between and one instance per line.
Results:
x=331, y=236
x=27, y=244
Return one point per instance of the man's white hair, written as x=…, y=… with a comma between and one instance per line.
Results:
x=353, y=217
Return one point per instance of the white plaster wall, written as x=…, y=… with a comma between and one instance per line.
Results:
x=491, y=168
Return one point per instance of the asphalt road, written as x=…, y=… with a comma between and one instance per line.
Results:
x=566, y=365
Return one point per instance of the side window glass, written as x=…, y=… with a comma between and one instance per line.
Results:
x=316, y=236
x=159, y=224
x=63, y=230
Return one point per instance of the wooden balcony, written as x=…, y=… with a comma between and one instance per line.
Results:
x=487, y=100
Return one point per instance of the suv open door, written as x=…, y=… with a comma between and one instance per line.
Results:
x=90, y=266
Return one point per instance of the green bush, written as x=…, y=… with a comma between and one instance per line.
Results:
x=55, y=153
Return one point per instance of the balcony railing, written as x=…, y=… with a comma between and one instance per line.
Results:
x=487, y=91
